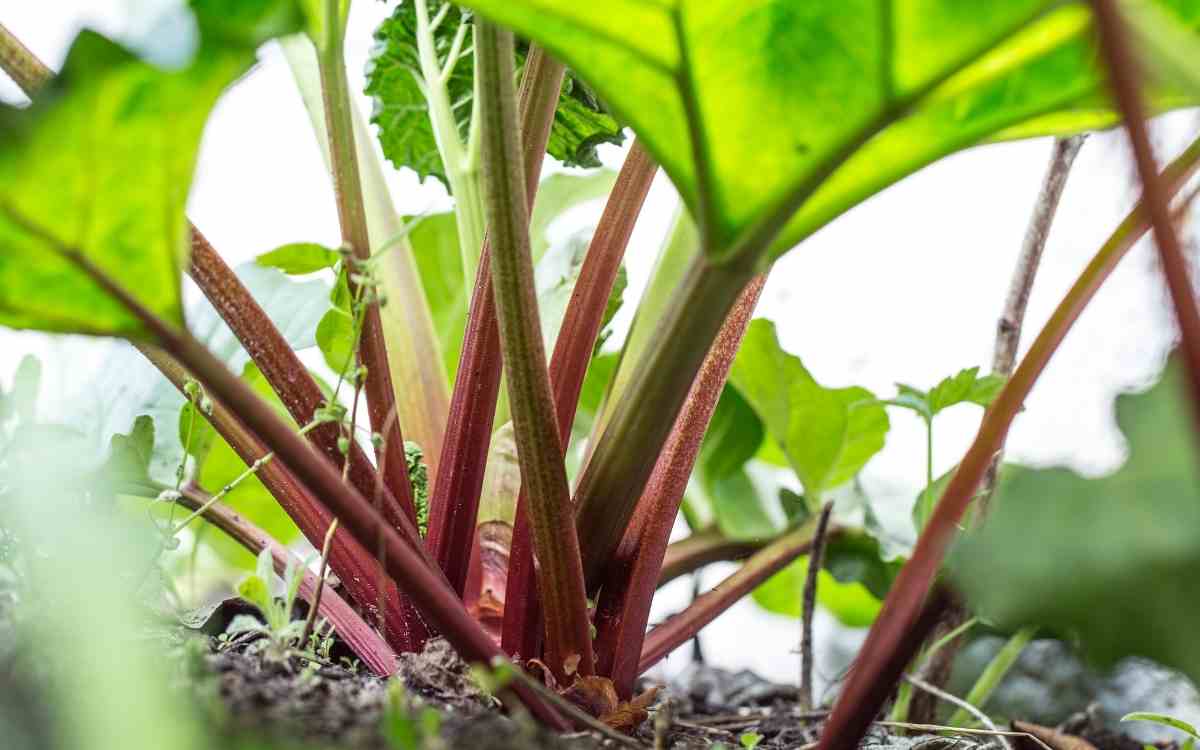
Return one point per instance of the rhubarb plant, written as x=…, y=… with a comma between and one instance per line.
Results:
x=513, y=479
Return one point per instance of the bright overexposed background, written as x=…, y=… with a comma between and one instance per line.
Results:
x=906, y=287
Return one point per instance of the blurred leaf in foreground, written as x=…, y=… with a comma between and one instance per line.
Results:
x=1114, y=560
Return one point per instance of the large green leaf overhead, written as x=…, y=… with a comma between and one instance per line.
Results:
x=1113, y=560
x=100, y=166
x=750, y=105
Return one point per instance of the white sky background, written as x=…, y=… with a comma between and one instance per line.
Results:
x=907, y=287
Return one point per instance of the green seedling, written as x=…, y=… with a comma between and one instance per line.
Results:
x=281, y=631
x=409, y=725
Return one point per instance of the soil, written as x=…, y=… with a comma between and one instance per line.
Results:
x=292, y=703
x=705, y=708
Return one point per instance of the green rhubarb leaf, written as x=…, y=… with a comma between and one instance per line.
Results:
x=1093, y=556
x=554, y=278
x=124, y=386
x=394, y=83
x=299, y=258
x=851, y=585
x=94, y=176
x=828, y=434
x=401, y=112
x=710, y=87
x=248, y=23
x=782, y=594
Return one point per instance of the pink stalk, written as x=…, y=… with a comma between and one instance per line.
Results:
x=454, y=503
x=568, y=367
x=631, y=578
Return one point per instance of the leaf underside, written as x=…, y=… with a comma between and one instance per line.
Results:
x=888, y=86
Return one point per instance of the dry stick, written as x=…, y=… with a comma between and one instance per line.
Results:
x=1124, y=78
x=454, y=502
x=539, y=445
x=349, y=625
x=1004, y=357
x=351, y=561
x=573, y=349
x=861, y=696
x=631, y=577
x=26, y=70
x=1008, y=328
x=352, y=218
x=316, y=598
x=815, y=560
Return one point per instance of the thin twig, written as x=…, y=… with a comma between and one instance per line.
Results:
x=815, y=558
x=959, y=730
x=1008, y=333
x=316, y=602
x=1012, y=319
x=1008, y=339
x=959, y=702
x=567, y=707
x=27, y=71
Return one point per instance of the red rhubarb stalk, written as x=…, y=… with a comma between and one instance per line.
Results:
x=454, y=503
x=539, y=446
x=572, y=352
x=352, y=219
x=631, y=578
x=1124, y=81
x=759, y=567
x=288, y=376
x=350, y=561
